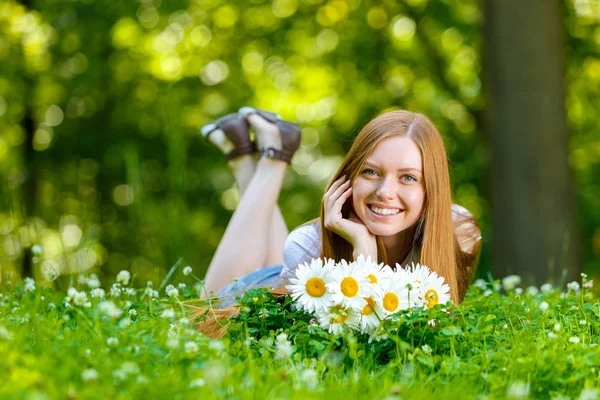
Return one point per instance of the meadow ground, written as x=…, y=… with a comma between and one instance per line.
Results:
x=139, y=342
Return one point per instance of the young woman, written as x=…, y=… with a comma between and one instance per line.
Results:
x=390, y=199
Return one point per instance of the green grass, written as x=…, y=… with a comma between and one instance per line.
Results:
x=497, y=345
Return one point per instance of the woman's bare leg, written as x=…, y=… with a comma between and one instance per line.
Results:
x=247, y=243
x=243, y=169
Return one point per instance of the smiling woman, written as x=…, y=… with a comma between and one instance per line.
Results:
x=390, y=199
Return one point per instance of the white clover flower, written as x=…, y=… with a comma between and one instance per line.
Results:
x=431, y=323
x=190, y=347
x=588, y=284
x=109, y=309
x=171, y=291
x=283, y=351
x=517, y=390
x=37, y=249
x=112, y=342
x=184, y=321
x=172, y=343
x=532, y=290
x=197, y=383
x=480, y=283
x=132, y=312
x=574, y=339
x=129, y=367
x=583, y=322
x=216, y=345
x=487, y=292
x=149, y=292
x=574, y=286
x=511, y=282
x=123, y=277
x=552, y=335
x=93, y=282
x=129, y=291
x=310, y=378
x=518, y=291
x=5, y=334
x=426, y=349
x=308, y=287
x=588, y=394
x=187, y=270
x=29, y=285
x=546, y=287
x=557, y=327
x=89, y=375
x=115, y=290
x=80, y=299
x=168, y=314
x=544, y=306
x=49, y=273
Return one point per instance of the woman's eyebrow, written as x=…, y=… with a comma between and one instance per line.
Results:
x=369, y=164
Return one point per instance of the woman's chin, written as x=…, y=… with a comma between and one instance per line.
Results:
x=379, y=230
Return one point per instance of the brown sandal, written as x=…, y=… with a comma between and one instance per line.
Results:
x=291, y=135
x=236, y=129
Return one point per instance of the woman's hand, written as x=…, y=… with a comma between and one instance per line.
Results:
x=351, y=229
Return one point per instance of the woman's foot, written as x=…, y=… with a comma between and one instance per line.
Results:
x=276, y=139
x=231, y=135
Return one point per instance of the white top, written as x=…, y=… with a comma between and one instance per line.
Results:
x=304, y=243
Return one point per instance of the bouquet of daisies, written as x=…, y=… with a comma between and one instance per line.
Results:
x=361, y=294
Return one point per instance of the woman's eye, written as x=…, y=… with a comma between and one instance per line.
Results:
x=369, y=171
x=409, y=178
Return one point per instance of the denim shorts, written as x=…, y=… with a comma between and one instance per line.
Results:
x=267, y=277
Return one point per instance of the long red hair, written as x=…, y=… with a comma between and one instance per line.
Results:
x=435, y=231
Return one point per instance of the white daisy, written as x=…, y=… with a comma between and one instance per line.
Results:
x=394, y=294
x=373, y=271
x=434, y=290
x=371, y=315
x=337, y=319
x=309, y=286
x=349, y=285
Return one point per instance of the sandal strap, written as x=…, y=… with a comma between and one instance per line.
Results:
x=240, y=151
x=276, y=154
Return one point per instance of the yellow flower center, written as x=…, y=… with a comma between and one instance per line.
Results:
x=432, y=298
x=368, y=309
x=372, y=278
x=340, y=315
x=390, y=302
x=315, y=287
x=349, y=287
x=340, y=319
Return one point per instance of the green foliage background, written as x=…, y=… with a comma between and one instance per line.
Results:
x=116, y=92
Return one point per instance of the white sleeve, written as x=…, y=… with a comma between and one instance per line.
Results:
x=302, y=245
x=467, y=233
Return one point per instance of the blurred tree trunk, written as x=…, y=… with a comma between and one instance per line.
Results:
x=533, y=207
x=29, y=161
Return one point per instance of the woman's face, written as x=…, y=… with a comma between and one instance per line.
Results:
x=388, y=194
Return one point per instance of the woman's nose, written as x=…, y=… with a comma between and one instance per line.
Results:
x=386, y=189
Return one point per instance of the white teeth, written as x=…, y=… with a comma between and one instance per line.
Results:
x=385, y=211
